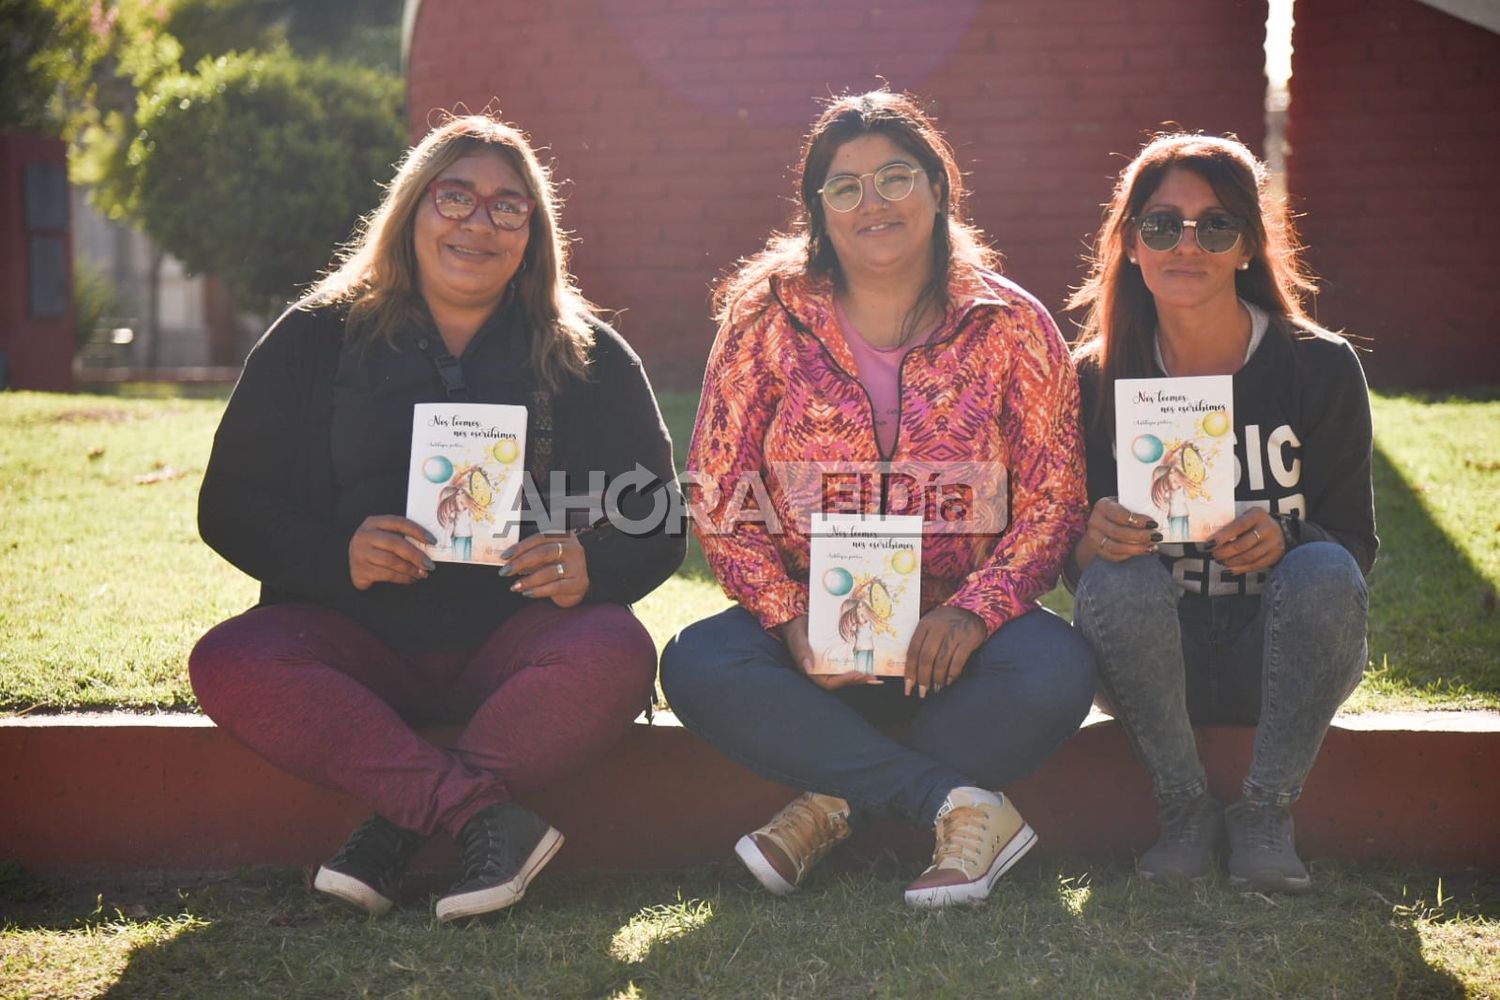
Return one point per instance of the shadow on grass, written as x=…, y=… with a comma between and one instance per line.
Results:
x=1433, y=619
x=1053, y=928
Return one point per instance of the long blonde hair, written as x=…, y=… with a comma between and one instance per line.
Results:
x=375, y=275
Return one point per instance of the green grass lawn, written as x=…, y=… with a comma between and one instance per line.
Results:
x=104, y=584
x=1052, y=929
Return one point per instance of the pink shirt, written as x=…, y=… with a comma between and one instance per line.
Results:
x=879, y=371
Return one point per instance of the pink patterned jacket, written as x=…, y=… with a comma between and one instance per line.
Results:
x=995, y=384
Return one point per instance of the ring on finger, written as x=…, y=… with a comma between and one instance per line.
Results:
x=1103, y=542
x=561, y=572
x=559, y=552
x=1256, y=533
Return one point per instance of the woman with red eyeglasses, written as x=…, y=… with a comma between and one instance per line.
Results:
x=1195, y=272
x=455, y=288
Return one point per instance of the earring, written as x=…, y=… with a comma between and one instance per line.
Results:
x=1243, y=265
x=1131, y=259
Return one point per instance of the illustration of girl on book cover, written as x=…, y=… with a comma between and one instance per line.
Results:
x=465, y=499
x=867, y=609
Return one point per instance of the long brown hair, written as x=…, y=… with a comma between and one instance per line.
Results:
x=806, y=248
x=375, y=274
x=1119, y=328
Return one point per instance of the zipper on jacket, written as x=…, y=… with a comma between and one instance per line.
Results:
x=885, y=457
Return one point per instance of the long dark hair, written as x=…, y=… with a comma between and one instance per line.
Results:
x=1118, y=330
x=375, y=275
x=806, y=248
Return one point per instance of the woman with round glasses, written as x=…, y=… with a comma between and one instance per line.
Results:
x=876, y=350
x=455, y=288
x=1195, y=272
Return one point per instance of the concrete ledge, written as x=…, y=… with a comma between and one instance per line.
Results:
x=121, y=793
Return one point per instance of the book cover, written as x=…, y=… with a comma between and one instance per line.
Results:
x=865, y=592
x=467, y=463
x=1174, y=452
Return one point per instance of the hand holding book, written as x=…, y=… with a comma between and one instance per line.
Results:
x=945, y=639
x=1250, y=543
x=794, y=634
x=383, y=549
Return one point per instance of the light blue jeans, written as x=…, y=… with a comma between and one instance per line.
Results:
x=1283, y=662
x=1021, y=695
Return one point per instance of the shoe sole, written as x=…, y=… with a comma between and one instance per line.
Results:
x=764, y=872
x=1272, y=883
x=351, y=890
x=978, y=890
x=482, y=901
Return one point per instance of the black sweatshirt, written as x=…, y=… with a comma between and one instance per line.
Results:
x=317, y=436
x=1302, y=447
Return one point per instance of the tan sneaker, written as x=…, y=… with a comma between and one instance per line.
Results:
x=979, y=836
x=780, y=853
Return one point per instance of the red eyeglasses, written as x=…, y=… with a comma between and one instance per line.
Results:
x=507, y=210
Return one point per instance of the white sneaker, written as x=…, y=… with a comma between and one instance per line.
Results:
x=980, y=835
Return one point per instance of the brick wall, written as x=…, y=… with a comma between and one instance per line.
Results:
x=1395, y=139
x=678, y=122
x=36, y=277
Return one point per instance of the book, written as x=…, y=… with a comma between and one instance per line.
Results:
x=1174, y=452
x=464, y=485
x=865, y=592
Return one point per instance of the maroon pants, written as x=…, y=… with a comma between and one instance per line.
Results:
x=322, y=698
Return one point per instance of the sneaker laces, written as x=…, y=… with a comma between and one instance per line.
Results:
x=376, y=836
x=1183, y=822
x=1265, y=826
x=962, y=835
x=485, y=847
x=805, y=832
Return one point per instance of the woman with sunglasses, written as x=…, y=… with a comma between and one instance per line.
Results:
x=877, y=338
x=455, y=288
x=1195, y=272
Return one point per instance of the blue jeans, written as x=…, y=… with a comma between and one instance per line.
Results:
x=1282, y=661
x=1022, y=693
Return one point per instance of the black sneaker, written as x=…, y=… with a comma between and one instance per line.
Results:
x=1192, y=833
x=504, y=846
x=367, y=870
x=1262, y=848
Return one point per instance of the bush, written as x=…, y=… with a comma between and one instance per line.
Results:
x=255, y=166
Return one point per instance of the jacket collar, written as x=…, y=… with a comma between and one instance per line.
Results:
x=808, y=304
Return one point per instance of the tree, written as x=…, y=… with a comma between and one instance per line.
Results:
x=255, y=166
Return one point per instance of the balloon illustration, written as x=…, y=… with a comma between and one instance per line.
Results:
x=838, y=581
x=903, y=561
x=437, y=469
x=1215, y=423
x=1147, y=448
x=505, y=451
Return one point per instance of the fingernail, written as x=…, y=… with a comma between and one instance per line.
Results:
x=1152, y=525
x=508, y=552
x=507, y=569
x=1151, y=548
x=427, y=561
x=515, y=586
x=1156, y=536
x=1209, y=545
x=527, y=593
x=921, y=691
x=431, y=538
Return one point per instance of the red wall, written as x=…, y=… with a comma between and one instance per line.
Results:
x=1395, y=140
x=677, y=122
x=40, y=351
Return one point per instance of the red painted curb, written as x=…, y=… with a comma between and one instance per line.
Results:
x=122, y=793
